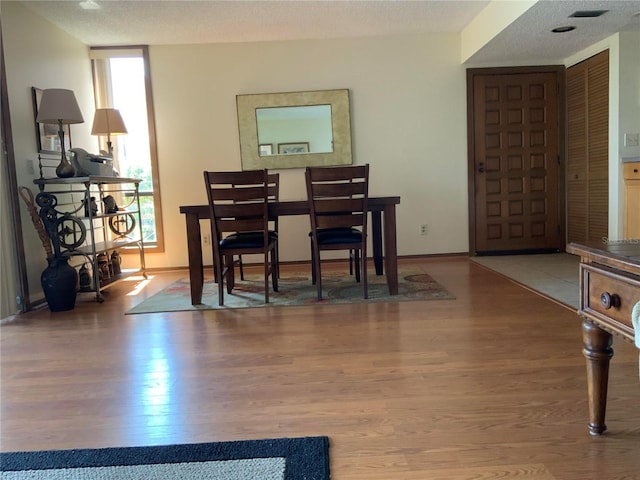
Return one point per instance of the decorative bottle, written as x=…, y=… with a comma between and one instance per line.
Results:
x=115, y=262
x=85, y=278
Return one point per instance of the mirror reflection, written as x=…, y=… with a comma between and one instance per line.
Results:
x=294, y=130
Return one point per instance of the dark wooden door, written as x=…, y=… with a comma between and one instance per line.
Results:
x=515, y=174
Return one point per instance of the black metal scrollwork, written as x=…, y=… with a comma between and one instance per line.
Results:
x=66, y=231
x=47, y=203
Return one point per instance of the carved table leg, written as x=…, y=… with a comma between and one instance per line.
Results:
x=598, y=352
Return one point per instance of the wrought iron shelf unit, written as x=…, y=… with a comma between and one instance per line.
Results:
x=83, y=219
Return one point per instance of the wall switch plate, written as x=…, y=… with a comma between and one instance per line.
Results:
x=631, y=139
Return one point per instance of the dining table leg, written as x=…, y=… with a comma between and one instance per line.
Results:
x=376, y=230
x=391, y=248
x=196, y=268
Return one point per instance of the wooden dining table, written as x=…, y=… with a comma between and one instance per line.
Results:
x=383, y=230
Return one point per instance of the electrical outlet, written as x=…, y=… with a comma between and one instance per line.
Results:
x=631, y=139
x=30, y=169
x=423, y=229
x=206, y=239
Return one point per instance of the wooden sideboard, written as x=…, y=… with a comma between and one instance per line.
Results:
x=609, y=289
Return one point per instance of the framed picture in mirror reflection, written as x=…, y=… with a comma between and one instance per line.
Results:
x=293, y=148
x=265, y=149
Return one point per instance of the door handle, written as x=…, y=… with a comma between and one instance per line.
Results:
x=481, y=167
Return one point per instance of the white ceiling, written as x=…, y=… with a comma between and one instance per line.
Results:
x=157, y=22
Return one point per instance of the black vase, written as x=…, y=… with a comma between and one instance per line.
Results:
x=59, y=281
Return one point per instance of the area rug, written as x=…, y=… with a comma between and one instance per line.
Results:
x=277, y=459
x=337, y=288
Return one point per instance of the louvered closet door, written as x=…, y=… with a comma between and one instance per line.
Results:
x=588, y=149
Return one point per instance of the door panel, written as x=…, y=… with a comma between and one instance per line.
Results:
x=576, y=164
x=588, y=149
x=516, y=162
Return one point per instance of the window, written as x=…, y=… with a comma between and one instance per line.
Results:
x=121, y=80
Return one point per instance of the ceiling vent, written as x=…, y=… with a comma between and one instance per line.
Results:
x=588, y=13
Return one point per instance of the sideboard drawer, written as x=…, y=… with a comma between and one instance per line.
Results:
x=631, y=171
x=609, y=297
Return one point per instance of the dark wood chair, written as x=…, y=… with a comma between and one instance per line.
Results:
x=273, y=180
x=238, y=206
x=338, y=198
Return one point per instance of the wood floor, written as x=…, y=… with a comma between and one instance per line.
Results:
x=488, y=386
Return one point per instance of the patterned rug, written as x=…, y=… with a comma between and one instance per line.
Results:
x=337, y=288
x=275, y=459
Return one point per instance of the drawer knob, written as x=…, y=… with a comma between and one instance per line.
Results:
x=608, y=300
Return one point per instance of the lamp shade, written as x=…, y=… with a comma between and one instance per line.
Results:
x=107, y=121
x=59, y=105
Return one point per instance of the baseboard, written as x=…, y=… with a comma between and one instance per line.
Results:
x=525, y=251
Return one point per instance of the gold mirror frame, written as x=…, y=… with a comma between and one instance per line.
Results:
x=340, y=126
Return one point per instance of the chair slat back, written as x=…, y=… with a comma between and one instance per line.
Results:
x=237, y=201
x=239, y=193
x=338, y=196
x=273, y=179
x=340, y=221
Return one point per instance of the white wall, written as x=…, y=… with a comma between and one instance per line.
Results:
x=629, y=90
x=38, y=54
x=629, y=114
x=408, y=111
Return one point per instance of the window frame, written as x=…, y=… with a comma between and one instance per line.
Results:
x=158, y=245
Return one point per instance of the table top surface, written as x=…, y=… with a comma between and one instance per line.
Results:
x=618, y=254
x=294, y=207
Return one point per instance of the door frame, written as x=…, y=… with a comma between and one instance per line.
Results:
x=11, y=196
x=559, y=70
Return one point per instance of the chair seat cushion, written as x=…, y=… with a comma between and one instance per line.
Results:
x=331, y=236
x=246, y=240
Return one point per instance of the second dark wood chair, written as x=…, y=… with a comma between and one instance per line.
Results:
x=238, y=206
x=338, y=202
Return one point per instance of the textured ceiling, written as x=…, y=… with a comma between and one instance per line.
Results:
x=530, y=38
x=211, y=21
x=159, y=22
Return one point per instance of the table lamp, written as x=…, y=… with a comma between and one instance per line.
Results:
x=59, y=106
x=107, y=121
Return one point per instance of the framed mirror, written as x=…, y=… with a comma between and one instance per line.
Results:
x=47, y=137
x=294, y=129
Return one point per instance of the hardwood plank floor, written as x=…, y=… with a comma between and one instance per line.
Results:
x=489, y=385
